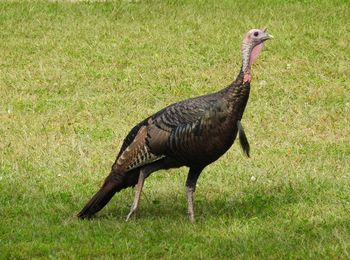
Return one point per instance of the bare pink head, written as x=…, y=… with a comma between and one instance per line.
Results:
x=252, y=45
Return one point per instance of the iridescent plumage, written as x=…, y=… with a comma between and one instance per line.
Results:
x=193, y=133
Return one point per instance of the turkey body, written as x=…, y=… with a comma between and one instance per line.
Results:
x=193, y=133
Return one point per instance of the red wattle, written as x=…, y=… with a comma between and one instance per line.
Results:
x=255, y=53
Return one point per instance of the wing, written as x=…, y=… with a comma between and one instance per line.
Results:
x=200, y=137
x=149, y=140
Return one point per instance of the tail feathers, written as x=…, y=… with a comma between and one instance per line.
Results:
x=243, y=139
x=98, y=201
x=113, y=183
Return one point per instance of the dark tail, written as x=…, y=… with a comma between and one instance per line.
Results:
x=243, y=139
x=113, y=183
x=98, y=201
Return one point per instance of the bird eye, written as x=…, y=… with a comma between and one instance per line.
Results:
x=256, y=34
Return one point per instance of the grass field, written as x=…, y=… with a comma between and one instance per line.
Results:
x=74, y=79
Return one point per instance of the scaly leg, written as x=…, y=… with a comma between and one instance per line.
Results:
x=191, y=188
x=146, y=171
x=137, y=197
x=189, y=193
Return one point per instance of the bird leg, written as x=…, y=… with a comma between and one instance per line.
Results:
x=146, y=171
x=189, y=193
x=191, y=181
x=137, y=197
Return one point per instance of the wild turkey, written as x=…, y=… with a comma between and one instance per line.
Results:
x=193, y=133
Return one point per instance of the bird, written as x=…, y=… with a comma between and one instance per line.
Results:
x=193, y=133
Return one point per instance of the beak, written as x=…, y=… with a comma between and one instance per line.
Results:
x=267, y=36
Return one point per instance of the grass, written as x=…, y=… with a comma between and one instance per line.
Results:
x=75, y=77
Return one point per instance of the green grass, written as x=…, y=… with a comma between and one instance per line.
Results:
x=75, y=77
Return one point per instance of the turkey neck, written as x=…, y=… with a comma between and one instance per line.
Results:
x=237, y=94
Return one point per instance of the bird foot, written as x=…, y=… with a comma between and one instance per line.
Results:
x=132, y=211
x=191, y=216
x=128, y=216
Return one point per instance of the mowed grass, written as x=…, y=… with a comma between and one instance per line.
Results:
x=74, y=79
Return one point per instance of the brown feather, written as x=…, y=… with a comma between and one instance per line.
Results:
x=136, y=154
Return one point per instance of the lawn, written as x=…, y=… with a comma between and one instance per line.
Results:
x=76, y=76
